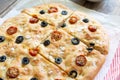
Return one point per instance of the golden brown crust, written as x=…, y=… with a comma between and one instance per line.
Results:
x=94, y=72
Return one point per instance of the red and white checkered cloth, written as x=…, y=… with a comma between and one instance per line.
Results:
x=114, y=71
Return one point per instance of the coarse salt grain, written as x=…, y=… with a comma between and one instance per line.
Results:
x=12, y=49
x=27, y=36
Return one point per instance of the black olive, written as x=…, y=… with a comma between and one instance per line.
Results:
x=75, y=41
x=44, y=24
x=42, y=12
x=2, y=58
x=46, y=43
x=64, y=25
x=58, y=60
x=19, y=39
x=33, y=78
x=64, y=12
x=73, y=74
x=92, y=44
x=1, y=79
x=25, y=60
x=89, y=49
x=2, y=38
x=85, y=20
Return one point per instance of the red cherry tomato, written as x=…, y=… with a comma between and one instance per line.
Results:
x=52, y=10
x=11, y=30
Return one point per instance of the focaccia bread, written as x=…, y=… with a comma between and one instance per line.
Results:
x=70, y=54
x=53, y=13
x=16, y=63
x=26, y=26
x=51, y=42
x=87, y=30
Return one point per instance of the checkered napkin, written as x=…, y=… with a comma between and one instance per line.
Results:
x=114, y=71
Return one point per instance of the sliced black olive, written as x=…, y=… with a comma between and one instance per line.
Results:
x=92, y=44
x=89, y=49
x=1, y=79
x=2, y=58
x=44, y=24
x=85, y=20
x=19, y=39
x=25, y=60
x=58, y=60
x=73, y=74
x=46, y=43
x=64, y=25
x=75, y=41
x=42, y=12
x=33, y=78
x=2, y=38
x=64, y=12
